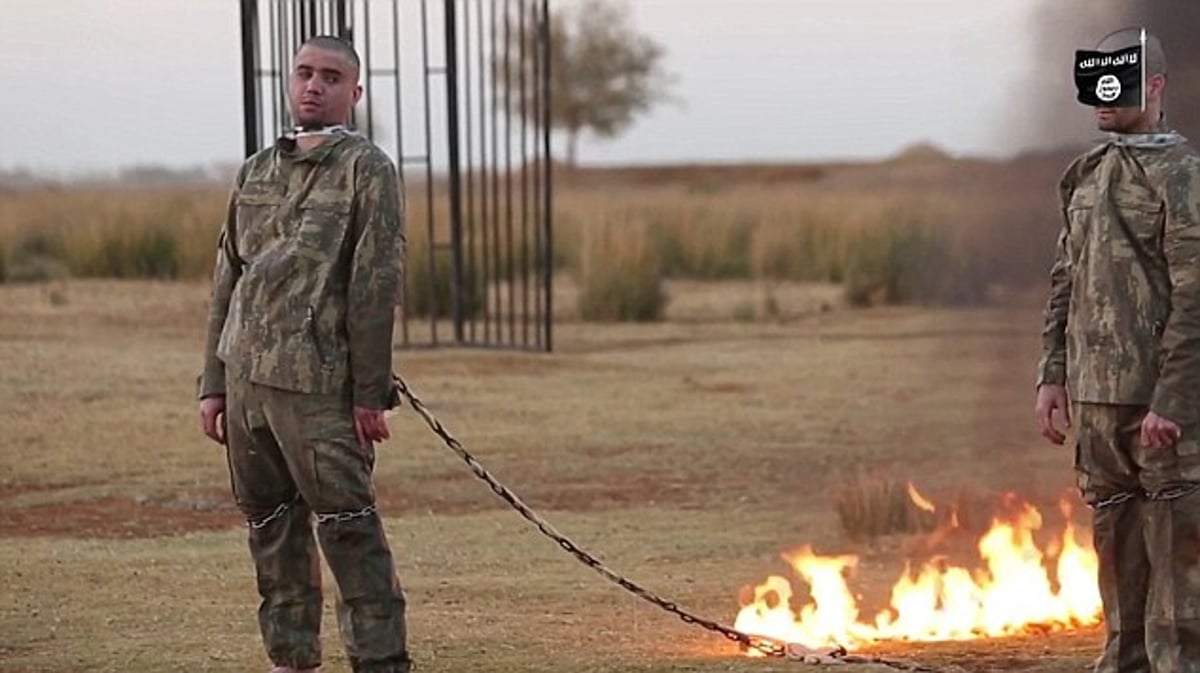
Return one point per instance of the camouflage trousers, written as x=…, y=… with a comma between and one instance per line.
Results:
x=294, y=457
x=1146, y=531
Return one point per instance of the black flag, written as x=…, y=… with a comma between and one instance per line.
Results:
x=1110, y=78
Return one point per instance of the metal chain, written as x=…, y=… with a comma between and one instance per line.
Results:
x=768, y=646
x=1171, y=493
x=1115, y=499
x=342, y=517
x=278, y=512
x=1174, y=493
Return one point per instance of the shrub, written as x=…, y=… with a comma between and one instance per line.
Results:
x=910, y=261
x=868, y=508
x=34, y=257
x=430, y=291
x=621, y=276
x=132, y=251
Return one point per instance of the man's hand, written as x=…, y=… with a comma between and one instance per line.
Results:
x=212, y=417
x=1051, y=398
x=1159, y=432
x=370, y=426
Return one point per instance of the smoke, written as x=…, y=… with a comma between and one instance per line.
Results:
x=1049, y=118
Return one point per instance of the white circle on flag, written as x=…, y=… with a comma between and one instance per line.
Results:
x=1108, y=89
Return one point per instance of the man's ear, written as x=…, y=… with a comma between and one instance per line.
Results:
x=358, y=91
x=1156, y=85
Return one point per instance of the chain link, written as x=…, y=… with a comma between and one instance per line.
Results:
x=342, y=517
x=1115, y=499
x=768, y=646
x=1174, y=492
x=278, y=512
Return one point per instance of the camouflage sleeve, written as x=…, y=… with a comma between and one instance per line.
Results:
x=1179, y=377
x=226, y=271
x=375, y=275
x=1052, y=369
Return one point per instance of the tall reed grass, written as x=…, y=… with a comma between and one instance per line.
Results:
x=888, y=237
x=620, y=272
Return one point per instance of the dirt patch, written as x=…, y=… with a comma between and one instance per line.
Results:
x=715, y=386
x=1037, y=652
x=450, y=493
x=113, y=518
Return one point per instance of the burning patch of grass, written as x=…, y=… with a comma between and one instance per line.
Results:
x=869, y=508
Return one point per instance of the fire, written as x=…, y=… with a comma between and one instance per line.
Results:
x=1015, y=591
x=920, y=500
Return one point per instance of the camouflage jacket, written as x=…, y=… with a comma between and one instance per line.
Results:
x=1122, y=323
x=308, y=272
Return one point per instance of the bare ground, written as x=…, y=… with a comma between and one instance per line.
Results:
x=687, y=454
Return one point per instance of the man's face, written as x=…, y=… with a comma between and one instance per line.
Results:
x=1132, y=119
x=1119, y=119
x=323, y=87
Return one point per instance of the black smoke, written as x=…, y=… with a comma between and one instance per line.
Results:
x=1047, y=117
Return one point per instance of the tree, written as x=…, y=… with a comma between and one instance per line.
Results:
x=604, y=74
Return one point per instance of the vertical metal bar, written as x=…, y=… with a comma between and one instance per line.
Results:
x=282, y=111
x=485, y=268
x=292, y=28
x=404, y=335
x=496, y=180
x=452, y=137
x=263, y=83
x=273, y=29
x=343, y=25
x=470, y=173
x=536, y=115
x=287, y=45
x=508, y=178
x=429, y=204
x=523, y=94
x=250, y=138
x=293, y=12
x=547, y=192
x=366, y=70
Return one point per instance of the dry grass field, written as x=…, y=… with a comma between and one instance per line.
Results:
x=687, y=454
x=744, y=418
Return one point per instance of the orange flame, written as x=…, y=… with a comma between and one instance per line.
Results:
x=920, y=500
x=1013, y=593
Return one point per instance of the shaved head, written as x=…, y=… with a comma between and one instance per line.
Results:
x=335, y=44
x=1133, y=119
x=1156, y=58
x=324, y=86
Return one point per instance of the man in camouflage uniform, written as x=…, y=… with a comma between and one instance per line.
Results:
x=298, y=367
x=1122, y=335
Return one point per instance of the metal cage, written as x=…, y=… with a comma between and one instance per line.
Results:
x=457, y=92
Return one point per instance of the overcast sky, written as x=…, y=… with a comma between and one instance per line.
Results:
x=98, y=84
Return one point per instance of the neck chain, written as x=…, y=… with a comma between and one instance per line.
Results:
x=1153, y=139
x=303, y=132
